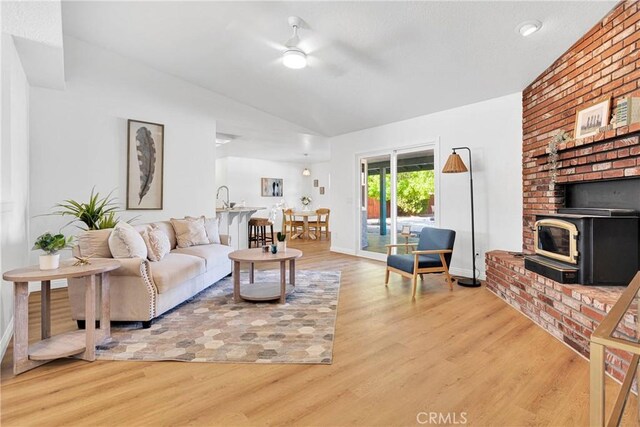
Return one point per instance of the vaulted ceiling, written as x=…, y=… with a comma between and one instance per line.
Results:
x=370, y=63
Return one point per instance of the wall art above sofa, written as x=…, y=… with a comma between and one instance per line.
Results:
x=145, y=152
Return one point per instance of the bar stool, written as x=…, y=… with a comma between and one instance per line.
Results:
x=258, y=231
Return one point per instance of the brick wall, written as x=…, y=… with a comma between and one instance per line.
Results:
x=603, y=63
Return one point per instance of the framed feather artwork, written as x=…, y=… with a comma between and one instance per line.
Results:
x=145, y=152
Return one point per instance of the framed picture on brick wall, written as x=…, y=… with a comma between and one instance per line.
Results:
x=592, y=117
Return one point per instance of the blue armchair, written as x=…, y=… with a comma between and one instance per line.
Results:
x=432, y=255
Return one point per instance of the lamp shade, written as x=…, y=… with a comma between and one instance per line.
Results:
x=454, y=164
x=306, y=172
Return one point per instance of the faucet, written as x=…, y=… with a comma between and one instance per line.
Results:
x=225, y=204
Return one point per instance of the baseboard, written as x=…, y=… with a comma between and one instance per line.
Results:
x=466, y=272
x=6, y=337
x=55, y=284
x=342, y=250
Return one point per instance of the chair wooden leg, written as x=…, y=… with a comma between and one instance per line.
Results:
x=415, y=286
x=446, y=272
x=386, y=277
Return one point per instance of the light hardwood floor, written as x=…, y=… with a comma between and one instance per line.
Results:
x=449, y=351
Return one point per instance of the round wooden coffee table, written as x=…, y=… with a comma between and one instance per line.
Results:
x=264, y=291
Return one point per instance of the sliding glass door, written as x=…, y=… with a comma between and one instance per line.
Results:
x=397, y=198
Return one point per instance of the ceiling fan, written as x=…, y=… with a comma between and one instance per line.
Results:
x=294, y=53
x=294, y=57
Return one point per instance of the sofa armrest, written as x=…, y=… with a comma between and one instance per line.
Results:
x=225, y=239
x=136, y=267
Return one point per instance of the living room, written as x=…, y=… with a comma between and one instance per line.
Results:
x=211, y=129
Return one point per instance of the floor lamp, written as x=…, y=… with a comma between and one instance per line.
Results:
x=456, y=165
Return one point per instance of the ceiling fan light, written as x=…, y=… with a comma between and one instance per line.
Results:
x=295, y=59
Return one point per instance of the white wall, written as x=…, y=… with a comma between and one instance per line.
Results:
x=14, y=169
x=78, y=137
x=243, y=177
x=493, y=131
x=36, y=27
x=322, y=172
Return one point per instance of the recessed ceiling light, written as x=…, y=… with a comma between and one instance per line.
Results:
x=529, y=27
x=223, y=138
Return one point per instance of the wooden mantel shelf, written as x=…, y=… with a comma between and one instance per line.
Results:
x=632, y=131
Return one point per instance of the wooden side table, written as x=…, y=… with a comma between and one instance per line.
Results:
x=80, y=343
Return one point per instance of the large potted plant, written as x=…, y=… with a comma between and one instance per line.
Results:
x=50, y=244
x=96, y=214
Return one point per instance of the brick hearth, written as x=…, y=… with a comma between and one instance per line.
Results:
x=568, y=312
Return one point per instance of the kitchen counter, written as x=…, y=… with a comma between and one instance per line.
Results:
x=235, y=223
x=236, y=209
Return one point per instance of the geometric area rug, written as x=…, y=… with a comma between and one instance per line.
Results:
x=210, y=327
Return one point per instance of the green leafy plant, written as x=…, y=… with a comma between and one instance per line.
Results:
x=96, y=214
x=306, y=200
x=413, y=188
x=52, y=243
x=281, y=236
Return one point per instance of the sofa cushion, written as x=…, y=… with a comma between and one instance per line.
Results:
x=175, y=269
x=126, y=242
x=405, y=262
x=211, y=226
x=214, y=255
x=95, y=243
x=190, y=232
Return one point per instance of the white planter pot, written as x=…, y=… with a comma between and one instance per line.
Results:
x=49, y=262
x=282, y=246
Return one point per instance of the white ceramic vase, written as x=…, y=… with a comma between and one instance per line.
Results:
x=49, y=262
x=282, y=246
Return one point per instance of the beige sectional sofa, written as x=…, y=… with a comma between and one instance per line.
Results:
x=142, y=290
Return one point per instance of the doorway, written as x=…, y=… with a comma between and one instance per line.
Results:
x=397, y=198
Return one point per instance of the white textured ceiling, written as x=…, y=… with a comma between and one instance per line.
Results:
x=371, y=63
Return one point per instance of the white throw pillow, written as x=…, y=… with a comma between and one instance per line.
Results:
x=211, y=227
x=157, y=241
x=190, y=232
x=126, y=242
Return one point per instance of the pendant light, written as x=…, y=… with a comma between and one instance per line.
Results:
x=306, y=171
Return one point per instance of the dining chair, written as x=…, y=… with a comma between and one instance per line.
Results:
x=322, y=222
x=432, y=255
x=290, y=225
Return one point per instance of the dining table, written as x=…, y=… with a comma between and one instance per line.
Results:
x=306, y=233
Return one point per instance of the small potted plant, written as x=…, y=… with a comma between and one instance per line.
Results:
x=282, y=241
x=306, y=201
x=50, y=244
